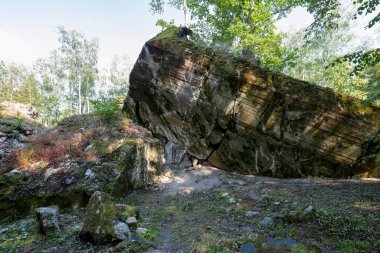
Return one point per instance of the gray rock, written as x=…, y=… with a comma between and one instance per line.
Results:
x=243, y=118
x=141, y=231
x=131, y=221
x=250, y=214
x=13, y=173
x=307, y=210
x=101, y=224
x=89, y=174
x=122, y=230
x=47, y=218
x=122, y=246
x=299, y=215
x=232, y=200
x=266, y=222
x=4, y=230
x=176, y=155
x=155, y=251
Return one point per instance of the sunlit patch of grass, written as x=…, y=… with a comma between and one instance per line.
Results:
x=367, y=205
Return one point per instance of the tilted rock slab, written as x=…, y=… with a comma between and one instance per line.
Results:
x=241, y=117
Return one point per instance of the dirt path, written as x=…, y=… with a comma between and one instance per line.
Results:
x=204, y=209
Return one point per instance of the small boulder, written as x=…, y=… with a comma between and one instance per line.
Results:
x=102, y=223
x=141, y=231
x=300, y=215
x=47, y=218
x=122, y=230
x=250, y=214
x=266, y=222
x=128, y=211
x=232, y=200
x=132, y=222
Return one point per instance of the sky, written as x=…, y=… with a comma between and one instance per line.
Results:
x=28, y=28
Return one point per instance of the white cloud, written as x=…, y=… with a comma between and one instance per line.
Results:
x=297, y=19
x=16, y=49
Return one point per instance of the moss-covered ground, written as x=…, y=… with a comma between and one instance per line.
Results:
x=204, y=210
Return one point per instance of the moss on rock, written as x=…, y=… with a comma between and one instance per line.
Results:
x=101, y=213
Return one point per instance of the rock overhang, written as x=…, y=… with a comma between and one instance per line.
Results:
x=244, y=118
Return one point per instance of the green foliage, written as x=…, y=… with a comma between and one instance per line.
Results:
x=150, y=234
x=361, y=59
x=106, y=108
x=78, y=58
x=214, y=250
x=17, y=123
x=352, y=246
x=243, y=27
x=164, y=25
x=319, y=59
x=247, y=27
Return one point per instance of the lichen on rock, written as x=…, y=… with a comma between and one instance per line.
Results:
x=244, y=118
x=102, y=223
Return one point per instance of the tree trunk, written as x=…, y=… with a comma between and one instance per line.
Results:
x=79, y=98
x=185, y=11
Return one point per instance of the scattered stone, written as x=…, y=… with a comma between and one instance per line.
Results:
x=307, y=210
x=141, y=231
x=47, y=218
x=88, y=147
x=279, y=243
x=122, y=230
x=267, y=222
x=225, y=194
x=4, y=230
x=250, y=214
x=240, y=182
x=132, y=222
x=89, y=174
x=300, y=215
x=247, y=248
x=155, y=251
x=232, y=200
x=195, y=163
x=13, y=172
x=49, y=172
x=69, y=180
x=128, y=211
x=122, y=246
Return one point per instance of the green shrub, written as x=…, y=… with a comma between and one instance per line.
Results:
x=106, y=108
x=17, y=123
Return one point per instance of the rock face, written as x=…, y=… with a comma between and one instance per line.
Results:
x=241, y=117
x=16, y=124
x=65, y=165
x=139, y=161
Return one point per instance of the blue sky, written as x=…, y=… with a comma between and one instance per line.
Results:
x=28, y=28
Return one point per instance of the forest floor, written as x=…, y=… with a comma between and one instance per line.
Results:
x=203, y=209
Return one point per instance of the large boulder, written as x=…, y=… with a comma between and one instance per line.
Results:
x=103, y=223
x=241, y=117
